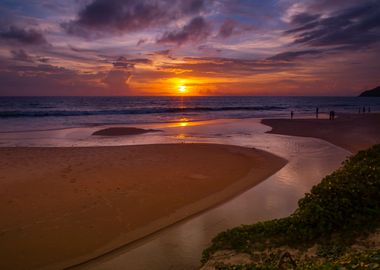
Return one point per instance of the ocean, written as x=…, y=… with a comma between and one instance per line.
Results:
x=45, y=113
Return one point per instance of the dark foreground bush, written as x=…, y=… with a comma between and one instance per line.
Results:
x=368, y=259
x=343, y=206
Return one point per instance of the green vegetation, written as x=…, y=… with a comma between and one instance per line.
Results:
x=343, y=207
x=369, y=259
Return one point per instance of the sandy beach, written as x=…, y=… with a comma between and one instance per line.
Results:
x=353, y=132
x=63, y=206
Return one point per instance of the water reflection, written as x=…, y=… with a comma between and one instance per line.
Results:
x=181, y=136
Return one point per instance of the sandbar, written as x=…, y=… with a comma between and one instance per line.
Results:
x=63, y=206
x=353, y=132
x=122, y=131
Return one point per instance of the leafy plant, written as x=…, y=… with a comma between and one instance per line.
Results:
x=343, y=206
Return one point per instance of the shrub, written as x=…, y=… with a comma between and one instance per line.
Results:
x=344, y=205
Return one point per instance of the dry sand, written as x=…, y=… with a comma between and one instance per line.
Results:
x=352, y=132
x=63, y=206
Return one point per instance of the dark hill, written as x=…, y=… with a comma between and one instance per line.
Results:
x=371, y=93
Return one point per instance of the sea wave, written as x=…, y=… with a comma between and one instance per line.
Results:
x=57, y=113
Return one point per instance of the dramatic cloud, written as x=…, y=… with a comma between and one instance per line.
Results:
x=227, y=67
x=144, y=46
x=292, y=55
x=125, y=63
x=227, y=29
x=23, y=36
x=48, y=80
x=117, y=81
x=130, y=15
x=21, y=55
x=355, y=27
x=304, y=18
x=196, y=30
x=231, y=27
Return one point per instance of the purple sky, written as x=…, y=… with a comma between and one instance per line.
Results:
x=208, y=47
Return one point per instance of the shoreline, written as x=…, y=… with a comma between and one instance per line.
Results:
x=353, y=132
x=318, y=128
x=257, y=166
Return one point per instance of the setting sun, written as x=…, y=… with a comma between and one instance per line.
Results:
x=182, y=89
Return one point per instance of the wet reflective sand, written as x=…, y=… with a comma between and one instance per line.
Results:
x=179, y=246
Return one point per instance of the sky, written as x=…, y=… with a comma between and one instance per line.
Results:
x=189, y=47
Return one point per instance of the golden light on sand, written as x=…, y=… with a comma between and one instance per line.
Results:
x=182, y=89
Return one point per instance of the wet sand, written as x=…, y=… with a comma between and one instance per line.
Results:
x=62, y=206
x=180, y=246
x=349, y=131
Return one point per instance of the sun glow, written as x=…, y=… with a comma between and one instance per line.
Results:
x=182, y=89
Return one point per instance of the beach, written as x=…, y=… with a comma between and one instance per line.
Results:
x=353, y=132
x=68, y=205
x=63, y=206
x=180, y=245
x=133, y=132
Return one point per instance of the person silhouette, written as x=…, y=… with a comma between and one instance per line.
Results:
x=316, y=112
x=332, y=115
x=291, y=114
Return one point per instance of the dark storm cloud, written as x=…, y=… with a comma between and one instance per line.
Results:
x=196, y=30
x=292, y=55
x=355, y=27
x=104, y=16
x=23, y=36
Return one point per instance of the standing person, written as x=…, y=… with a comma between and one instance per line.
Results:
x=363, y=109
x=291, y=114
x=316, y=112
x=332, y=115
